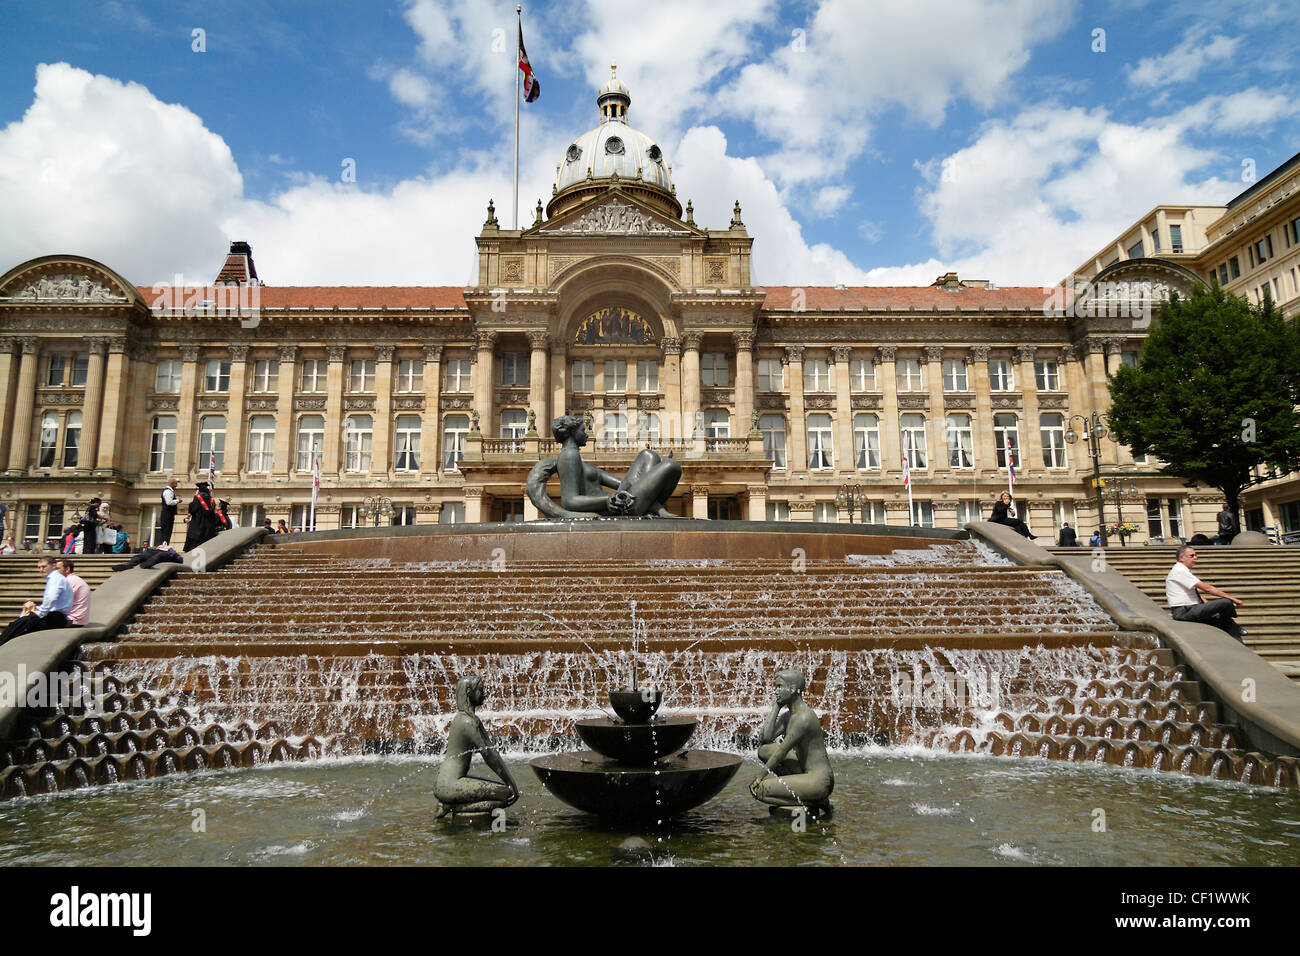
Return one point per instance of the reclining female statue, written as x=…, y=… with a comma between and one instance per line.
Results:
x=455, y=788
x=645, y=489
x=796, y=770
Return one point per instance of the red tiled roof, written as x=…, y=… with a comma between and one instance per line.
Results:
x=353, y=297
x=905, y=297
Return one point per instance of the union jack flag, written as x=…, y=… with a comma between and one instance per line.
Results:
x=532, y=88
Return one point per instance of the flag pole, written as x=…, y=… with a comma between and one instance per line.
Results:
x=519, y=40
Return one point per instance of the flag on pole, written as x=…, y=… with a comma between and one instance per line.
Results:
x=212, y=470
x=1011, y=478
x=315, y=483
x=907, y=482
x=532, y=89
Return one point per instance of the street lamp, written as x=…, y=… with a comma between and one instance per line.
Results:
x=850, y=496
x=1095, y=428
x=1121, y=487
x=377, y=506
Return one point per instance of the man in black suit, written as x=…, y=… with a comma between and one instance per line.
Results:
x=1068, y=538
x=90, y=528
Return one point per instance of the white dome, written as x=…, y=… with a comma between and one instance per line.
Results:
x=614, y=149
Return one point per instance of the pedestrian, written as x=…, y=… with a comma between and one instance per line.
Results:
x=90, y=528
x=52, y=612
x=202, y=518
x=79, y=613
x=69, y=543
x=123, y=543
x=149, y=557
x=1068, y=538
x=4, y=516
x=107, y=533
x=170, y=502
x=1183, y=591
x=8, y=547
x=282, y=528
x=1227, y=522
x=223, y=517
x=1003, y=512
x=270, y=529
x=1095, y=540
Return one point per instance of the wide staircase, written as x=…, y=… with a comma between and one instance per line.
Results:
x=21, y=582
x=305, y=652
x=1267, y=579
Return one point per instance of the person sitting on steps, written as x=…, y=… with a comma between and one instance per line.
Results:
x=1004, y=513
x=1183, y=591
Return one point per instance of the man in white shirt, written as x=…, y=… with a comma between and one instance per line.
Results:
x=79, y=613
x=170, y=501
x=53, y=610
x=1183, y=591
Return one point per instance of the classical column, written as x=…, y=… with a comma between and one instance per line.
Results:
x=8, y=379
x=331, y=460
x=985, y=455
x=431, y=423
x=1031, y=443
x=559, y=369
x=938, y=421
x=1122, y=453
x=92, y=406
x=1100, y=392
x=185, y=413
x=24, y=405
x=538, y=380
x=484, y=379
x=671, y=423
x=798, y=457
x=757, y=502
x=802, y=510
x=473, y=503
x=285, y=420
x=235, y=451
x=381, y=461
x=744, y=340
x=844, y=462
x=699, y=501
x=118, y=373
x=890, y=440
x=1076, y=402
x=690, y=382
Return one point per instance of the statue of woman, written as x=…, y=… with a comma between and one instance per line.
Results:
x=796, y=770
x=455, y=788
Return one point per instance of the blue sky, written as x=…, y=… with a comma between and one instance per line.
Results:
x=869, y=143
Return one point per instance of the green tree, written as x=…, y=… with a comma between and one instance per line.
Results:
x=1215, y=391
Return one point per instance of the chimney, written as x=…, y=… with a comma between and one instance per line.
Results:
x=948, y=281
x=239, y=268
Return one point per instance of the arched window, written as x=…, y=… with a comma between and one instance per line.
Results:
x=961, y=441
x=212, y=442
x=72, y=440
x=772, y=428
x=1006, y=434
x=455, y=433
x=717, y=423
x=911, y=429
x=359, y=434
x=162, y=443
x=49, y=439
x=408, y=443
x=820, y=440
x=261, y=444
x=1052, y=431
x=311, y=437
x=866, y=441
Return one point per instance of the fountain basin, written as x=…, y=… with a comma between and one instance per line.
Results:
x=636, y=743
x=636, y=706
x=610, y=789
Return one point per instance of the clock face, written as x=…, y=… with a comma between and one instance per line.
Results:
x=614, y=326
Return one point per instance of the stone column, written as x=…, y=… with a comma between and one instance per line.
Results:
x=8, y=380
x=890, y=440
x=798, y=445
x=1100, y=393
x=1123, y=454
x=118, y=372
x=538, y=382
x=671, y=424
x=484, y=380
x=331, y=460
x=559, y=387
x=24, y=405
x=235, y=459
x=431, y=423
x=92, y=407
x=185, y=413
x=699, y=501
x=285, y=419
x=381, y=460
x=473, y=503
x=744, y=340
x=986, y=458
x=757, y=502
x=690, y=382
x=937, y=421
x=844, y=463
x=1031, y=442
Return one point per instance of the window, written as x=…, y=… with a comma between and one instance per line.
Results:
x=1006, y=434
x=405, y=514
x=168, y=376
x=454, y=435
x=362, y=376
x=1129, y=358
x=162, y=443
x=1155, y=241
x=772, y=428
x=514, y=368
x=1290, y=516
x=820, y=439
x=1263, y=250
x=49, y=439
x=910, y=378
x=968, y=511
x=300, y=518
x=32, y=527
x=80, y=367
x=1136, y=251
x=924, y=516
x=613, y=427
x=1062, y=511
x=452, y=513
x=216, y=375
x=873, y=512
x=1052, y=434
x=584, y=375
x=954, y=375
x=616, y=376
x=408, y=443
x=511, y=511
x=816, y=375
x=514, y=423
x=647, y=375
x=778, y=511
x=866, y=441
x=410, y=375
x=1155, y=527
x=1294, y=226
x=1175, y=506
x=57, y=369
x=72, y=440
x=961, y=441
x=54, y=525
x=458, y=375
x=1002, y=376
x=771, y=375
x=261, y=444
x=1223, y=274
x=212, y=441
x=1175, y=239
x=311, y=438
x=1048, y=374
x=251, y=516
x=911, y=429
x=266, y=375
x=359, y=435
x=647, y=425
x=1235, y=267
x=717, y=423
x=315, y=375
x=713, y=370
x=862, y=375
x=826, y=512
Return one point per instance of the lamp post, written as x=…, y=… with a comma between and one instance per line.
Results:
x=1095, y=428
x=850, y=496
x=1121, y=487
x=377, y=506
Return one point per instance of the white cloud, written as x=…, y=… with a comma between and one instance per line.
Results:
x=410, y=89
x=1185, y=61
x=830, y=199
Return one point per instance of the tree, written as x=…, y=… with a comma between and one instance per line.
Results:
x=1215, y=391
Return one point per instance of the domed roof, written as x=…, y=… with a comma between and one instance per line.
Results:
x=614, y=149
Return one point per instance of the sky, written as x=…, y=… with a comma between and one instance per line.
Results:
x=868, y=142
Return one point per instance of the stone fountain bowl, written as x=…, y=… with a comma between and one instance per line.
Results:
x=609, y=789
x=636, y=743
x=633, y=706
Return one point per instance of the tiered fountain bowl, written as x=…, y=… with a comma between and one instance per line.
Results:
x=636, y=768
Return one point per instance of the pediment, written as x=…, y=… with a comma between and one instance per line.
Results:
x=1151, y=280
x=613, y=214
x=65, y=280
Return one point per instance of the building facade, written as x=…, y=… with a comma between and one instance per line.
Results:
x=613, y=304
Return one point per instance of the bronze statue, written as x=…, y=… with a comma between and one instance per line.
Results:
x=796, y=770
x=644, y=491
x=455, y=788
